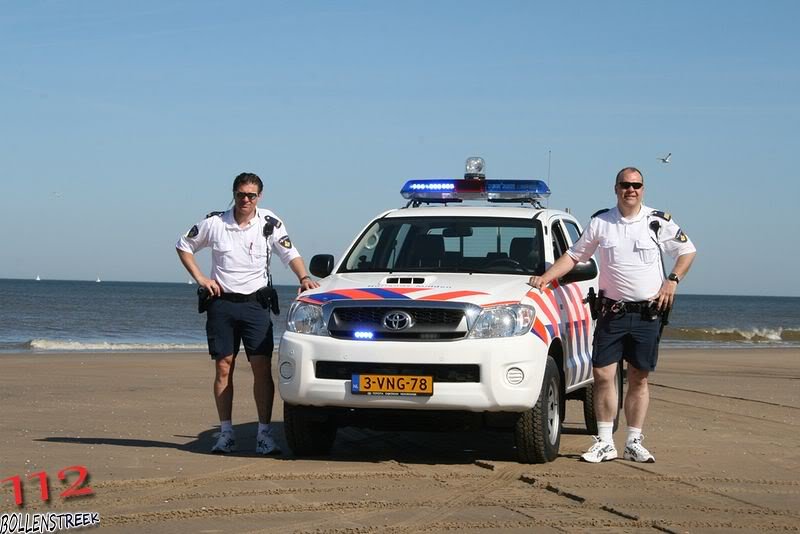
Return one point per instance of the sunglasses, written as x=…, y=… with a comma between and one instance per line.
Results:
x=626, y=185
x=250, y=196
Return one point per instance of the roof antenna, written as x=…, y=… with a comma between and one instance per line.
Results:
x=548, y=175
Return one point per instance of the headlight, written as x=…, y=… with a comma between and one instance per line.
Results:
x=503, y=321
x=306, y=318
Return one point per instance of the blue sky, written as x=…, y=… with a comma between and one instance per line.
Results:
x=122, y=124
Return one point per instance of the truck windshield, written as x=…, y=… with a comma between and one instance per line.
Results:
x=449, y=244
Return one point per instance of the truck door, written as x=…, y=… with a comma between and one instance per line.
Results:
x=577, y=332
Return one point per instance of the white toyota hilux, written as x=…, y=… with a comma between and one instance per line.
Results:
x=428, y=322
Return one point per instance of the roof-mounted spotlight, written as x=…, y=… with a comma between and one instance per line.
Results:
x=474, y=169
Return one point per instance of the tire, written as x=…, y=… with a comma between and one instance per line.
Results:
x=308, y=431
x=537, y=433
x=589, y=414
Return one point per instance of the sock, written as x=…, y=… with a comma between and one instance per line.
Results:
x=633, y=433
x=226, y=426
x=605, y=431
x=263, y=427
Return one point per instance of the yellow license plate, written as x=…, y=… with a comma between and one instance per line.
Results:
x=398, y=385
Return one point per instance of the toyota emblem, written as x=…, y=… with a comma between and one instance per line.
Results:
x=397, y=320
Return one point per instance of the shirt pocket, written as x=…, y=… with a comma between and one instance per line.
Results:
x=222, y=252
x=260, y=251
x=608, y=249
x=647, y=251
x=619, y=252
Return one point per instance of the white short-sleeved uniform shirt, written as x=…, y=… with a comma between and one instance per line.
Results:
x=239, y=256
x=630, y=264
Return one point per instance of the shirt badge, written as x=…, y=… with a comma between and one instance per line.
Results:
x=193, y=232
x=285, y=242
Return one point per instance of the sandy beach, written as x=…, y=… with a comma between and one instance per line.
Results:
x=724, y=426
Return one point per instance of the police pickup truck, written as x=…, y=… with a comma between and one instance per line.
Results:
x=428, y=322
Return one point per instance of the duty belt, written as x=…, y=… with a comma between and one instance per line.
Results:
x=619, y=306
x=239, y=297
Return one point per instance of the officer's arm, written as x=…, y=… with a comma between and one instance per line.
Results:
x=562, y=266
x=666, y=295
x=683, y=264
x=188, y=261
x=299, y=269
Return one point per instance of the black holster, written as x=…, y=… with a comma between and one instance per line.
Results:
x=591, y=298
x=268, y=298
x=596, y=303
x=664, y=319
x=203, y=299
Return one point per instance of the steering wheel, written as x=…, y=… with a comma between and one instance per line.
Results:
x=506, y=262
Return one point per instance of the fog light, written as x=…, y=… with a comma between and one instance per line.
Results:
x=515, y=376
x=287, y=370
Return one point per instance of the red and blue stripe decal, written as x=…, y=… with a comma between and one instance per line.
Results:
x=541, y=331
x=376, y=293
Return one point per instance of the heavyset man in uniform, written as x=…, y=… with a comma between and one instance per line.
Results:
x=634, y=298
x=240, y=293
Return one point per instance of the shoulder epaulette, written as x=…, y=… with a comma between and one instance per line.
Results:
x=270, y=225
x=599, y=212
x=663, y=214
x=214, y=214
x=273, y=221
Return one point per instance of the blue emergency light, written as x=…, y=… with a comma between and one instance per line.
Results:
x=453, y=190
x=363, y=334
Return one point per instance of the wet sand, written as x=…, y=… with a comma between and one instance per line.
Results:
x=724, y=426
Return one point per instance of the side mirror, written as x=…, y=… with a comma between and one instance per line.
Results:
x=581, y=272
x=321, y=265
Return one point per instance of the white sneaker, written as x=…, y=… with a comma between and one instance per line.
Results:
x=226, y=442
x=635, y=452
x=265, y=444
x=601, y=451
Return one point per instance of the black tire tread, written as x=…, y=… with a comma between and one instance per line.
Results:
x=531, y=432
x=306, y=435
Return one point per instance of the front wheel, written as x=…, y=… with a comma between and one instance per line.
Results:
x=538, y=431
x=309, y=432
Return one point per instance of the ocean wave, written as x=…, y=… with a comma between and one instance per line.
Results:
x=59, y=345
x=728, y=335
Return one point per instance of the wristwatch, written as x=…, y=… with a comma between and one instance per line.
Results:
x=306, y=277
x=674, y=277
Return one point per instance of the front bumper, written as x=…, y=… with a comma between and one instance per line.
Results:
x=497, y=359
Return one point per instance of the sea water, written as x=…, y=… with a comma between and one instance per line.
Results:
x=58, y=316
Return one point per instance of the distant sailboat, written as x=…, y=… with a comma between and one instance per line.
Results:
x=98, y=279
x=190, y=282
x=37, y=278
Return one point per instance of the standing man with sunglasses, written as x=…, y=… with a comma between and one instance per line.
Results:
x=635, y=295
x=242, y=240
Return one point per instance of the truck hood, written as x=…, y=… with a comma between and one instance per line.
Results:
x=481, y=289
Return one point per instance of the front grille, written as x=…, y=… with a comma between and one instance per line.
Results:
x=439, y=372
x=374, y=316
x=428, y=323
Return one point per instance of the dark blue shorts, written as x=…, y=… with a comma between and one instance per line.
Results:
x=230, y=323
x=628, y=336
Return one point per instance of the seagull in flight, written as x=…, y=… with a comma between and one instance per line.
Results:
x=665, y=160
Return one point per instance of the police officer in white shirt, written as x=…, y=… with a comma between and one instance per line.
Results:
x=635, y=294
x=242, y=241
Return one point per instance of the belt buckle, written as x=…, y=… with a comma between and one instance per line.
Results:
x=618, y=306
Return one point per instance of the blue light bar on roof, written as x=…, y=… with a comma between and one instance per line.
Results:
x=450, y=189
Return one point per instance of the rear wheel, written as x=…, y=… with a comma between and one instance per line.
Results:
x=589, y=414
x=538, y=431
x=309, y=431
